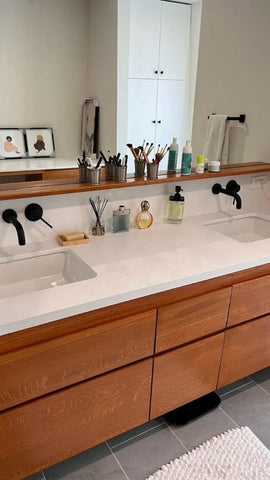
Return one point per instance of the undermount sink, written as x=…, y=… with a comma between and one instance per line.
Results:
x=244, y=228
x=40, y=272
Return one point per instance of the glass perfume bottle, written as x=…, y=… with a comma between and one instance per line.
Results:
x=175, y=207
x=121, y=219
x=144, y=219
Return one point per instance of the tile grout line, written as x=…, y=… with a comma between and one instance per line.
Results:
x=225, y=413
x=174, y=434
x=116, y=459
x=265, y=391
x=236, y=388
x=135, y=436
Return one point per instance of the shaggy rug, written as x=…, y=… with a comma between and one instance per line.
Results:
x=234, y=455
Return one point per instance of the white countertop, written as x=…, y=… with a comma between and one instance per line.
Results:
x=131, y=265
x=41, y=163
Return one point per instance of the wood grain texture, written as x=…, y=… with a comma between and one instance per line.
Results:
x=246, y=350
x=250, y=299
x=39, y=369
x=191, y=319
x=78, y=322
x=65, y=186
x=43, y=432
x=185, y=373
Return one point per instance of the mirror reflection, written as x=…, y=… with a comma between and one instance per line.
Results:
x=57, y=54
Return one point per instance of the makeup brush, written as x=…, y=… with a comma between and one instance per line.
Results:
x=145, y=158
x=130, y=146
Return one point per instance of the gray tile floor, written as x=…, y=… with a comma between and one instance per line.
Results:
x=138, y=453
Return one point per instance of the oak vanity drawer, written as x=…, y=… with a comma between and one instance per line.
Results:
x=49, y=429
x=246, y=350
x=191, y=319
x=48, y=366
x=185, y=373
x=250, y=299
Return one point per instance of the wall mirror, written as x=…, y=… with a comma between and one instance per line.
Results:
x=47, y=75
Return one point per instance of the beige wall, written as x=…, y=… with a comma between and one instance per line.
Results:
x=102, y=72
x=234, y=73
x=43, y=58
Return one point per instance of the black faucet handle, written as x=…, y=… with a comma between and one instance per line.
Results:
x=34, y=212
x=233, y=186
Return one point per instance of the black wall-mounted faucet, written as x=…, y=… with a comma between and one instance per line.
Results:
x=232, y=189
x=10, y=216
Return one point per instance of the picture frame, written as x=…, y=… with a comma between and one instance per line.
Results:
x=12, y=143
x=40, y=142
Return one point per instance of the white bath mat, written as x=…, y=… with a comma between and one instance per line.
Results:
x=235, y=455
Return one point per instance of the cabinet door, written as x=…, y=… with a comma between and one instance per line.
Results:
x=246, y=350
x=142, y=100
x=43, y=432
x=185, y=373
x=74, y=358
x=191, y=319
x=174, y=41
x=144, y=38
x=171, y=114
x=250, y=300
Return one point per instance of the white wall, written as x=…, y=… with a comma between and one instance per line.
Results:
x=43, y=58
x=234, y=74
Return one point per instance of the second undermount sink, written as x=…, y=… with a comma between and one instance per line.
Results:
x=244, y=228
x=43, y=271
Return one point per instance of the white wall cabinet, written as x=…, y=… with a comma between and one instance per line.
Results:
x=158, y=72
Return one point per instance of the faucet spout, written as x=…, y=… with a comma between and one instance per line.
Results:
x=10, y=216
x=238, y=201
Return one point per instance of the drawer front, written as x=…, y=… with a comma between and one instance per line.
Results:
x=47, y=430
x=250, y=299
x=49, y=366
x=191, y=319
x=184, y=374
x=246, y=350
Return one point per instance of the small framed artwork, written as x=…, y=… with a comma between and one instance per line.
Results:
x=40, y=142
x=12, y=143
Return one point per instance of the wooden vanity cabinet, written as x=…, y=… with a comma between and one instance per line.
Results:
x=71, y=384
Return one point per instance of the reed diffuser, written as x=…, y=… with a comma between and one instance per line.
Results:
x=98, y=205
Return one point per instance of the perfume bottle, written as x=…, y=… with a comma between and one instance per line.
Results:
x=144, y=219
x=121, y=219
x=175, y=207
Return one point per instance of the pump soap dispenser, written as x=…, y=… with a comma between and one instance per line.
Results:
x=175, y=207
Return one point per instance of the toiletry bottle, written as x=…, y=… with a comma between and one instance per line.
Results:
x=144, y=219
x=175, y=207
x=121, y=219
x=173, y=154
x=199, y=168
x=186, y=158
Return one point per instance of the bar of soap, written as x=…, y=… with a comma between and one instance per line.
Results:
x=70, y=236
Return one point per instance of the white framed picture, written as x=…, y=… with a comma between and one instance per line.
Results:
x=40, y=142
x=12, y=143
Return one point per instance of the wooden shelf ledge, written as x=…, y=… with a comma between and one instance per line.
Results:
x=72, y=185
